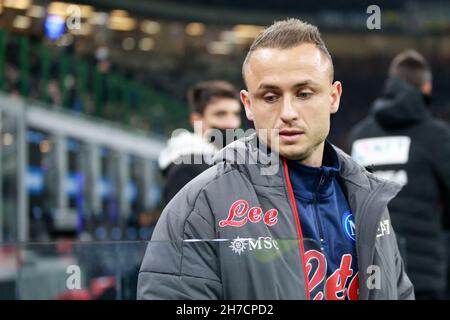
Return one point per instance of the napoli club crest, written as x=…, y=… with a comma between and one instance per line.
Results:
x=348, y=224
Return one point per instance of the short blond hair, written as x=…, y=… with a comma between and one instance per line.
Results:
x=287, y=34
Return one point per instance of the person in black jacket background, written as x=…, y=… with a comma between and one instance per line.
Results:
x=401, y=141
x=213, y=105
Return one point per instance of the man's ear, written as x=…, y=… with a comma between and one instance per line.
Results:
x=247, y=104
x=335, y=96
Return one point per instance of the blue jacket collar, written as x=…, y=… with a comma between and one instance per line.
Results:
x=310, y=182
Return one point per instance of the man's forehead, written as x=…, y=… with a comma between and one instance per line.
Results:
x=274, y=63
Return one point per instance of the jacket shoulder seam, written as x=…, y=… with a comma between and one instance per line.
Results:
x=204, y=187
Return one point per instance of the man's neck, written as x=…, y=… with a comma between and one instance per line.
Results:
x=316, y=157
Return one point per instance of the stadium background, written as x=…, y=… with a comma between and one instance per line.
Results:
x=90, y=91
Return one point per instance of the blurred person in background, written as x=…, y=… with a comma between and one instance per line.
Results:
x=402, y=142
x=213, y=105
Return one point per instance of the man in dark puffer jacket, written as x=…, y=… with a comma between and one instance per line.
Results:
x=401, y=141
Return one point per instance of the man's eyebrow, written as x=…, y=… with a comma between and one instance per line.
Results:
x=305, y=83
x=265, y=86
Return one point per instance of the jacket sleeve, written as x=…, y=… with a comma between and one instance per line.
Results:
x=174, y=265
x=405, y=287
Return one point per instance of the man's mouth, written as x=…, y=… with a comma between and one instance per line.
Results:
x=290, y=135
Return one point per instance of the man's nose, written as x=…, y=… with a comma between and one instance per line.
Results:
x=288, y=112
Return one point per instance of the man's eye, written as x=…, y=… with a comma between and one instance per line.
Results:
x=304, y=95
x=270, y=99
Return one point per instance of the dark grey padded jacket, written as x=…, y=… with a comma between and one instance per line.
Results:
x=197, y=253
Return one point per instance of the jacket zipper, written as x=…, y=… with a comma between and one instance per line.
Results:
x=297, y=223
x=316, y=211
